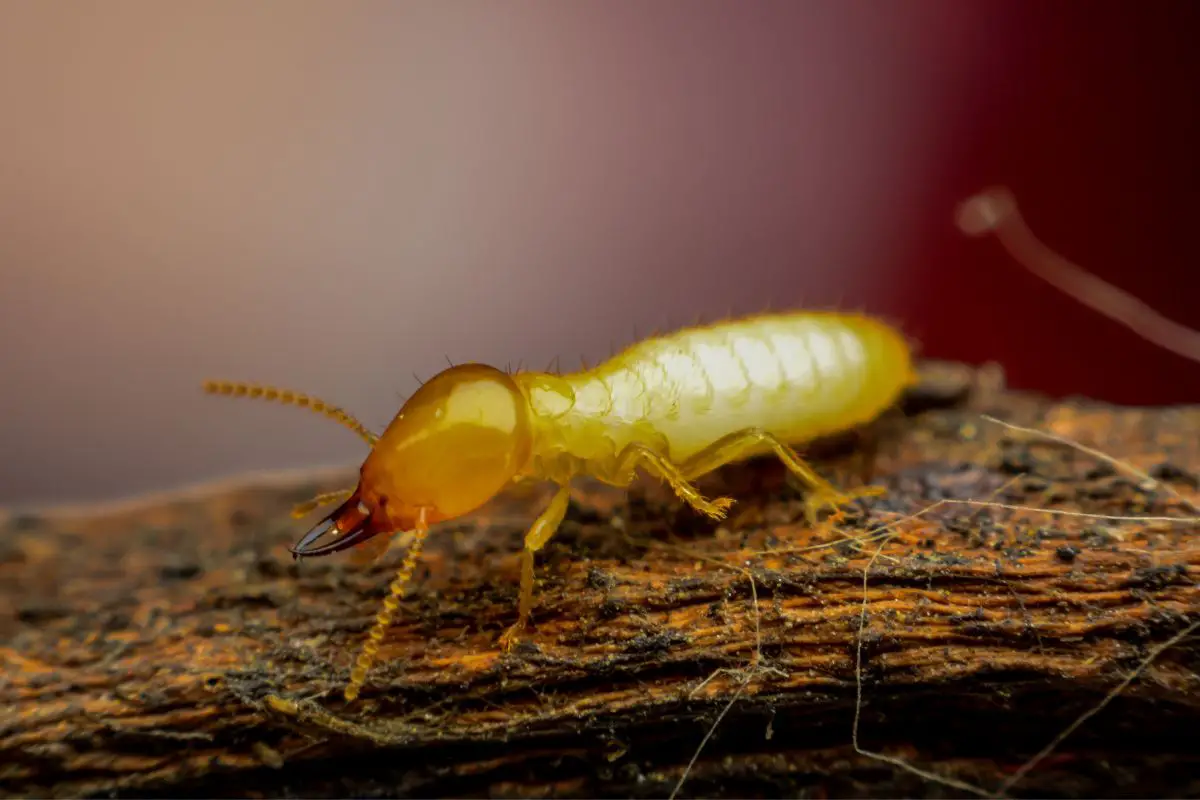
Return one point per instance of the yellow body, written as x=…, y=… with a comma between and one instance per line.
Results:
x=798, y=376
x=675, y=407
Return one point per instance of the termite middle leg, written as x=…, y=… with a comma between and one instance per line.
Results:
x=640, y=455
x=544, y=527
x=736, y=445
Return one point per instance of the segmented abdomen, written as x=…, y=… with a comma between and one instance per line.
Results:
x=797, y=375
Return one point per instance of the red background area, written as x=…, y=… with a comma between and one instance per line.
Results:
x=1094, y=122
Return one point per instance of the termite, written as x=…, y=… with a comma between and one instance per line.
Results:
x=676, y=407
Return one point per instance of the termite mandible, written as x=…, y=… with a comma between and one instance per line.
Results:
x=676, y=407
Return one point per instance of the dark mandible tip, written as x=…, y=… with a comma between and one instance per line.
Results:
x=306, y=546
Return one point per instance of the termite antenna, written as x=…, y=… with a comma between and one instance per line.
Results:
x=995, y=211
x=366, y=658
x=290, y=398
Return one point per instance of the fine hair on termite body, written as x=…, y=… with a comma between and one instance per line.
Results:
x=675, y=407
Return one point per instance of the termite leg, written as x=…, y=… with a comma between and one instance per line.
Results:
x=640, y=455
x=730, y=448
x=391, y=603
x=544, y=527
x=326, y=499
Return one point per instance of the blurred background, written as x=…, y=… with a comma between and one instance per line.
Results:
x=333, y=196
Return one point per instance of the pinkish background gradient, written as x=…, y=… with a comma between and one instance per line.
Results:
x=331, y=196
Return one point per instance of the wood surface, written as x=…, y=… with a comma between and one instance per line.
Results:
x=173, y=648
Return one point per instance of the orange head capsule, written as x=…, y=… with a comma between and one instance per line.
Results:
x=453, y=446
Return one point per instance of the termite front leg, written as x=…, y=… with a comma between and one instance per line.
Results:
x=325, y=499
x=640, y=455
x=391, y=604
x=735, y=445
x=543, y=528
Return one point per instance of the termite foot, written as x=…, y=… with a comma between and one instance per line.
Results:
x=820, y=500
x=511, y=638
x=718, y=508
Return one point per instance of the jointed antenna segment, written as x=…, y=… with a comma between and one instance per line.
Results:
x=290, y=398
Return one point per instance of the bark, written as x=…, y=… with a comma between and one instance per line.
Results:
x=175, y=649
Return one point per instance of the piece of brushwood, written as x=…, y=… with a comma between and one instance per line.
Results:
x=174, y=648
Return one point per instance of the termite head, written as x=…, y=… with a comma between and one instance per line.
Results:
x=454, y=445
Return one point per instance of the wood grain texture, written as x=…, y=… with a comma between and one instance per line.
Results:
x=142, y=647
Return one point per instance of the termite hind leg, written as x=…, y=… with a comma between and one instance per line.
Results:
x=640, y=455
x=821, y=493
x=543, y=528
